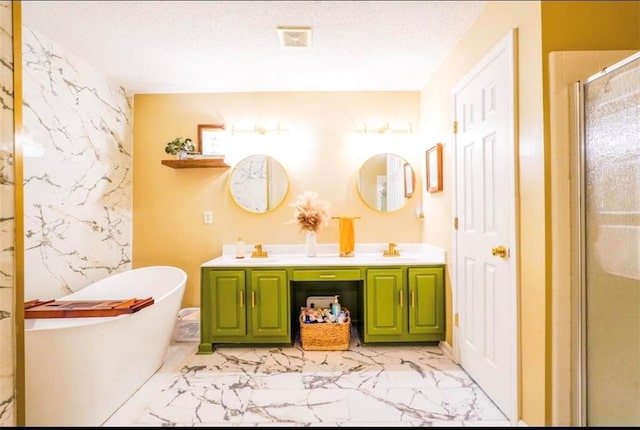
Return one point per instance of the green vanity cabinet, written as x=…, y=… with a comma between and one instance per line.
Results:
x=426, y=302
x=404, y=304
x=384, y=310
x=244, y=306
x=227, y=298
x=269, y=306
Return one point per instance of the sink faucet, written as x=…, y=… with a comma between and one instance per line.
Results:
x=258, y=253
x=392, y=251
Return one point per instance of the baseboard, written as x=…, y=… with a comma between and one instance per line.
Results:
x=447, y=349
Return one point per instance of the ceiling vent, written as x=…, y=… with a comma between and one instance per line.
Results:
x=294, y=37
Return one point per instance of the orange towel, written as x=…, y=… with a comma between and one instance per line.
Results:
x=347, y=237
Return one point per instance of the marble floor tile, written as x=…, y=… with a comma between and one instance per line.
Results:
x=365, y=386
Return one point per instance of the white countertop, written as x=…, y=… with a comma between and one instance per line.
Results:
x=368, y=254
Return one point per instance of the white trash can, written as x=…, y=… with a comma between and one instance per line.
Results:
x=187, y=328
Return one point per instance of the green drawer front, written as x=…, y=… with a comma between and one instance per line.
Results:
x=327, y=275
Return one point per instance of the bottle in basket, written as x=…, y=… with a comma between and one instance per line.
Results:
x=335, y=306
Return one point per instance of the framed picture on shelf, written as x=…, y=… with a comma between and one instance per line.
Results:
x=434, y=168
x=210, y=139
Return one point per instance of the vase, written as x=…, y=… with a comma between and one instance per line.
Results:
x=311, y=244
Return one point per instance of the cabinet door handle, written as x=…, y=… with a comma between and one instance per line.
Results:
x=253, y=299
x=241, y=299
x=327, y=276
x=401, y=300
x=413, y=300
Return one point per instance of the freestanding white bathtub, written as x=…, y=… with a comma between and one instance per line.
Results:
x=79, y=371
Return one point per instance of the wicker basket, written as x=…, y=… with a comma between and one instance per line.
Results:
x=326, y=336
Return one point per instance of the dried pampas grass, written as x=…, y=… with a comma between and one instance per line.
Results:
x=311, y=213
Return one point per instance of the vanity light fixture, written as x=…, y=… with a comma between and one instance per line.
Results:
x=258, y=129
x=386, y=128
x=294, y=37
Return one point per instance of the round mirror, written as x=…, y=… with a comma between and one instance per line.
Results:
x=259, y=183
x=386, y=182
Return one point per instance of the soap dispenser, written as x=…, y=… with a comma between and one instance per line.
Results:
x=240, y=248
x=335, y=306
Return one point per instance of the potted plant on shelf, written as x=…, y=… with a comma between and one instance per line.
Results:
x=179, y=147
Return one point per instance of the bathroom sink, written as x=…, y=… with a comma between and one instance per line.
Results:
x=250, y=260
x=327, y=259
x=396, y=260
x=328, y=256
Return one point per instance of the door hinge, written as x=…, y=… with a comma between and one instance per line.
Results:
x=455, y=222
x=456, y=320
x=455, y=127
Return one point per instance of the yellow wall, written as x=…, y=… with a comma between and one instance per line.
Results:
x=590, y=25
x=321, y=151
x=541, y=28
x=493, y=25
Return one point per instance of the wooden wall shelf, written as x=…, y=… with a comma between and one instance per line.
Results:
x=187, y=164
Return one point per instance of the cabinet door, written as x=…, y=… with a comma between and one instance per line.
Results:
x=269, y=303
x=384, y=302
x=228, y=303
x=426, y=300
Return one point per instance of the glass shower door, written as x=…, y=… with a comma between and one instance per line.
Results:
x=611, y=246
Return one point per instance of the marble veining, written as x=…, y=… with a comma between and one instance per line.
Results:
x=77, y=172
x=411, y=386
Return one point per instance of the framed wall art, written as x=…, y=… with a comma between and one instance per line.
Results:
x=210, y=138
x=434, y=168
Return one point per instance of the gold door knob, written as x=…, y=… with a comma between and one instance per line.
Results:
x=500, y=251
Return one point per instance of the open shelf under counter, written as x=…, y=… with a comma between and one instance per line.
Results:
x=195, y=163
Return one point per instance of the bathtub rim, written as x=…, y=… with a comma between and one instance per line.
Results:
x=41, y=324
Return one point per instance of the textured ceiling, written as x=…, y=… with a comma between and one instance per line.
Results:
x=233, y=46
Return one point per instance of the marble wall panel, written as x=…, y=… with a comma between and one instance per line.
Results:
x=77, y=171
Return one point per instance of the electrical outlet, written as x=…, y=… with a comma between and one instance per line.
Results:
x=207, y=217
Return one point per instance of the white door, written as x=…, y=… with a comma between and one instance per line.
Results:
x=395, y=182
x=485, y=270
